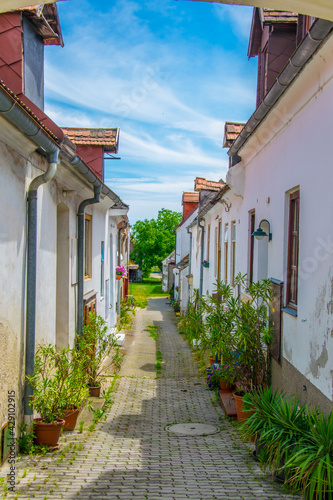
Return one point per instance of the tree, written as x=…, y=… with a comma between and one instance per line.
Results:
x=154, y=239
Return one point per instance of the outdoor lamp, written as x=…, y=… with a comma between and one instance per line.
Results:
x=259, y=234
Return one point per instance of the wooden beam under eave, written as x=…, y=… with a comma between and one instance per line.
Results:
x=315, y=8
x=9, y=5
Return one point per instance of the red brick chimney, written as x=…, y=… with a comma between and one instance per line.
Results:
x=189, y=202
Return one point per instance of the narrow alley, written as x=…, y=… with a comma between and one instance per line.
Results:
x=133, y=455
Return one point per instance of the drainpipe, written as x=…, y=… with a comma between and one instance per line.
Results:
x=80, y=252
x=202, y=227
x=31, y=274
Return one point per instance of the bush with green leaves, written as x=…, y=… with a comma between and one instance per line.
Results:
x=253, y=333
x=296, y=440
x=98, y=349
x=58, y=382
x=310, y=462
x=191, y=324
x=220, y=311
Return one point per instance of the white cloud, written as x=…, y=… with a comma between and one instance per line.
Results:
x=166, y=87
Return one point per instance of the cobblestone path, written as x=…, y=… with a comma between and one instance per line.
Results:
x=132, y=456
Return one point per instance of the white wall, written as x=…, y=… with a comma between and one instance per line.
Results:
x=18, y=166
x=292, y=149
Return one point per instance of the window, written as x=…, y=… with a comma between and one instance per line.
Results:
x=87, y=246
x=233, y=251
x=226, y=237
x=208, y=242
x=102, y=268
x=251, y=253
x=293, y=241
x=216, y=251
x=219, y=251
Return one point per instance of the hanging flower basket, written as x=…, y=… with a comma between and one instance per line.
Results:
x=121, y=272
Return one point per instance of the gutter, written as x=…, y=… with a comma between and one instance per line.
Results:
x=14, y=113
x=318, y=31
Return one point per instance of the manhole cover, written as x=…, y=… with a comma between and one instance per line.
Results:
x=192, y=429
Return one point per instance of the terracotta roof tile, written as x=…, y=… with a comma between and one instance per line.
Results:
x=37, y=119
x=46, y=21
x=201, y=183
x=190, y=198
x=279, y=16
x=231, y=132
x=107, y=137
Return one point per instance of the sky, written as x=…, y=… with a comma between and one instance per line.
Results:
x=168, y=73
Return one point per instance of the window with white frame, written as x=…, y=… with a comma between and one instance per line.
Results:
x=102, y=269
x=233, y=251
x=226, y=251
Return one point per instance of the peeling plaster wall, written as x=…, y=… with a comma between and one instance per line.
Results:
x=12, y=258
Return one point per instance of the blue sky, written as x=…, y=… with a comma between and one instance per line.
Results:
x=168, y=74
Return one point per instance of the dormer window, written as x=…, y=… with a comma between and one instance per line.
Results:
x=273, y=40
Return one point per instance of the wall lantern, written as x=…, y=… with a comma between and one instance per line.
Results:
x=259, y=234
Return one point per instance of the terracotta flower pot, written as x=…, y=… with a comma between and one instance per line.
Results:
x=241, y=415
x=118, y=276
x=47, y=434
x=212, y=361
x=225, y=386
x=70, y=419
x=94, y=392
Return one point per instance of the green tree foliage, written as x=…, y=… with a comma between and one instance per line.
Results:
x=154, y=239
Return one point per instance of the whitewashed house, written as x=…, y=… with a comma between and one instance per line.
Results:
x=59, y=225
x=279, y=181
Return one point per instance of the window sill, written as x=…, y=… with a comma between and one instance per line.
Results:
x=290, y=311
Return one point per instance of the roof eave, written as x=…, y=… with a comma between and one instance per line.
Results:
x=317, y=33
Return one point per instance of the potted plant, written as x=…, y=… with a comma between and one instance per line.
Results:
x=75, y=390
x=253, y=335
x=281, y=423
x=221, y=377
x=59, y=385
x=99, y=350
x=47, y=385
x=309, y=463
x=262, y=404
x=120, y=272
x=220, y=310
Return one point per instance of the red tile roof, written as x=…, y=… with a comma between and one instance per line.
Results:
x=201, y=183
x=36, y=113
x=190, y=198
x=231, y=132
x=107, y=137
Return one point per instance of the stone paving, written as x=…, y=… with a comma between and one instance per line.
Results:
x=131, y=455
